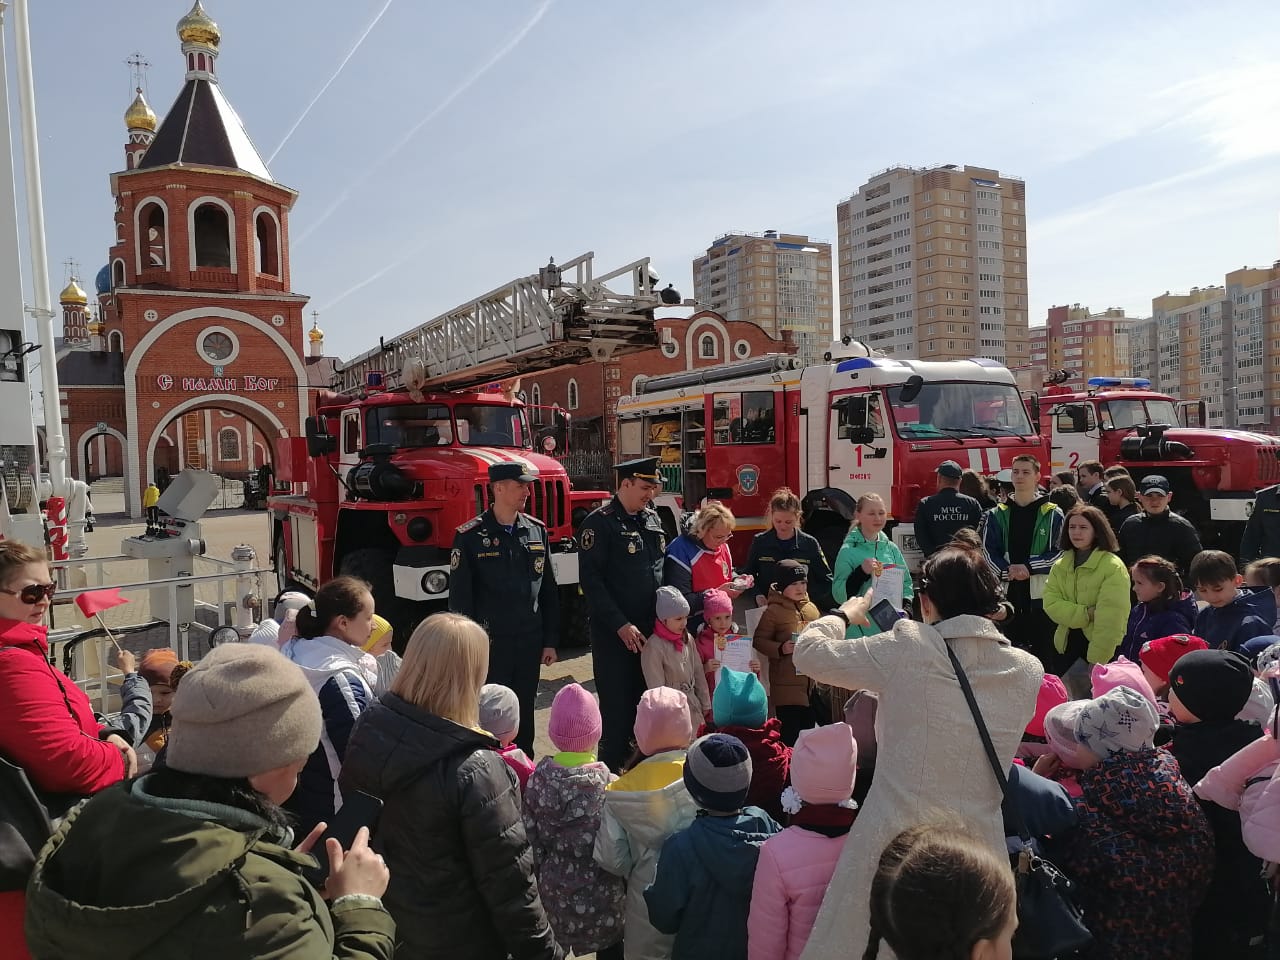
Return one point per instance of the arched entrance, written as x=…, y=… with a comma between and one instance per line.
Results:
x=101, y=453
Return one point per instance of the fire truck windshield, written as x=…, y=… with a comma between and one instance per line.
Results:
x=960, y=409
x=492, y=425
x=1127, y=414
x=409, y=425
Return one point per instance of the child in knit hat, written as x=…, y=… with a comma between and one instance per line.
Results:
x=702, y=890
x=500, y=716
x=788, y=612
x=1035, y=743
x=563, y=802
x=740, y=707
x=797, y=864
x=644, y=807
x=716, y=629
x=670, y=658
x=1207, y=689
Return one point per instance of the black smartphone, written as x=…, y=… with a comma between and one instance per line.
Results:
x=884, y=614
x=358, y=810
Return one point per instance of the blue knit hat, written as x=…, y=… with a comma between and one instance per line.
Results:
x=739, y=701
x=717, y=773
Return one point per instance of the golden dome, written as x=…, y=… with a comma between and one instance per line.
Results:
x=315, y=335
x=198, y=27
x=73, y=294
x=140, y=116
x=95, y=327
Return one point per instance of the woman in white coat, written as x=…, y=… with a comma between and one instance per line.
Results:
x=930, y=757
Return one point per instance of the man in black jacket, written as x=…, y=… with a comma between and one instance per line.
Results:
x=941, y=516
x=1092, y=490
x=1159, y=531
x=1262, y=532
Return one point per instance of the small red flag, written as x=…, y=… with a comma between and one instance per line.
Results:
x=95, y=601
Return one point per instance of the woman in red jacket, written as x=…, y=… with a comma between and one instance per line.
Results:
x=47, y=725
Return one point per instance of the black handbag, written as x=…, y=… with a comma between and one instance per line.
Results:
x=1050, y=923
x=24, y=827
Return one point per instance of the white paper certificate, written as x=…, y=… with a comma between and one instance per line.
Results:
x=736, y=654
x=890, y=586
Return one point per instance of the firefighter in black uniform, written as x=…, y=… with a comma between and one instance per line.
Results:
x=501, y=577
x=620, y=568
x=941, y=516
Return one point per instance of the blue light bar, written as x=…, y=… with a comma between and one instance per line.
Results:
x=373, y=380
x=1140, y=382
x=857, y=363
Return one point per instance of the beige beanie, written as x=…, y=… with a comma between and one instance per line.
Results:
x=242, y=710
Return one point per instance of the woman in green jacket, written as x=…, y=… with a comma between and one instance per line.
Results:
x=864, y=556
x=197, y=859
x=1087, y=596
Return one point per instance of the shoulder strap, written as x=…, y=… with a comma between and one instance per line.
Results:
x=1014, y=811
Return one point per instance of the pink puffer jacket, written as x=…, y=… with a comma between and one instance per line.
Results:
x=792, y=876
x=1247, y=782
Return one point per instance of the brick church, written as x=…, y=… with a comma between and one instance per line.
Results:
x=197, y=353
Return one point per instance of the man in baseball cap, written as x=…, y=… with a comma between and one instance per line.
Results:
x=1158, y=531
x=941, y=515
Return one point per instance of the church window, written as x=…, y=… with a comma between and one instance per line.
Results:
x=267, y=245
x=229, y=444
x=155, y=242
x=213, y=236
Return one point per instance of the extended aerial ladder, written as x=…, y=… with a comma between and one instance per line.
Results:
x=533, y=324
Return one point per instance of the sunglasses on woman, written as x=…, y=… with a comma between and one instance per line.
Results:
x=33, y=593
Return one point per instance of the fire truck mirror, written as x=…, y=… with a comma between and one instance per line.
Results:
x=911, y=389
x=319, y=441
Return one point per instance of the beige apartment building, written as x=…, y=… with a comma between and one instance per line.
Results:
x=1220, y=344
x=779, y=281
x=933, y=264
x=1084, y=343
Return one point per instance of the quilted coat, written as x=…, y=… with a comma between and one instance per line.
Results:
x=792, y=875
x=1101, y=582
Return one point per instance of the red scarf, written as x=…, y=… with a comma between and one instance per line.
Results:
x=673, y=638
x=824, y=818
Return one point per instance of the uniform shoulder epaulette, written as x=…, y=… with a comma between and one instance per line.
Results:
x=606, y=510
x=534, y=520
x=469, y=525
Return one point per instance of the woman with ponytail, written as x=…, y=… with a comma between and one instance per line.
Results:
x=332, y=631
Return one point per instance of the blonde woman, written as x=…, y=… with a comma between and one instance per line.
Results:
x=699, y=560
x=451, y=827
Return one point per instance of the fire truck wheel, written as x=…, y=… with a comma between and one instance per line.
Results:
x=575, y=631
x=373, y=565
x=283, y=580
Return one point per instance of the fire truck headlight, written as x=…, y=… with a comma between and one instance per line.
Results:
x=436, y=581
x=419, y=529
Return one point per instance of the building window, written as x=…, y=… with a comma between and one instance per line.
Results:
x=742, y=349
x=115, y=342
x=229, y=444
x=573, y=394
x=707, y=347
x=155, y=244
x=212, y=236
x=218, y=346
x=117, y=274
x=267, y=246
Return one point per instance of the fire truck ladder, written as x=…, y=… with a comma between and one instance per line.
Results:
x=533, y=324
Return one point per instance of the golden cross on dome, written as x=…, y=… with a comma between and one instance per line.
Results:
x=138, y=66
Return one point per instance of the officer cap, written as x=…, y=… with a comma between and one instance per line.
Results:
x=642, y=468
x=516, y=470
x=950, y=469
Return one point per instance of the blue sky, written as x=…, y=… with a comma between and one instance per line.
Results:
x=465, y=143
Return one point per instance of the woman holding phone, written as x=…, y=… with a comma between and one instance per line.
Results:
x=930, y=757
x=451, y=825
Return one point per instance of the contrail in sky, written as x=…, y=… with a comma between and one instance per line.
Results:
x=497, y=57
x=328, y=83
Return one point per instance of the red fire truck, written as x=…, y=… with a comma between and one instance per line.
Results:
x=398, y=458
x=1121, y=420
x=860, y=423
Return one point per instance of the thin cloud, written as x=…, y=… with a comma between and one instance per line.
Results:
x=328, y=83
x=494, y=59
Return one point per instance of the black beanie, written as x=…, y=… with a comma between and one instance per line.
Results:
x=1213, y=685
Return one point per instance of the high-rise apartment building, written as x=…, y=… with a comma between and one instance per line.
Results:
x=1083, y=343
x=778, y=281
x=933, y=264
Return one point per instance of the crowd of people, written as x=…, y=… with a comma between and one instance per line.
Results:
x=809, y=787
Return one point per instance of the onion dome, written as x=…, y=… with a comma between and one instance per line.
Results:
x=73, y=294
x=140, y=116
x=315, y=335
x=197, y=27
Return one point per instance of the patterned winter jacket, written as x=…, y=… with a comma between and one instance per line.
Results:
x=1142, y=855
x=584, y=902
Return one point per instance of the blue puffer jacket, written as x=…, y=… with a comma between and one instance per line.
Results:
x=1146, y=624
x=702, y=892
x=1251, y=614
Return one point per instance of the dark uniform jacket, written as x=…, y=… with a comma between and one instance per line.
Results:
x=504, y=581
x=451, y=830
x=1262, y=532
x=1097, y=497
x=1161, y=535
x=940, y=516
x=620, y=567
x=767, y=551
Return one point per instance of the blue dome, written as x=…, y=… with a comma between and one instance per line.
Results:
x=103, y=281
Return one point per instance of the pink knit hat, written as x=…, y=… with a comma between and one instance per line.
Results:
x=1052, y=692
x=715, y=602
x=824, y=764
x=662, y=721
x=574, y=726
x=1122, y=673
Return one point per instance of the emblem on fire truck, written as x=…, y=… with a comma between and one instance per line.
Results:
x=748, y=479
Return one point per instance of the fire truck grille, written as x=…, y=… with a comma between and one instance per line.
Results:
x=1269, y=464
x=548, y=501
